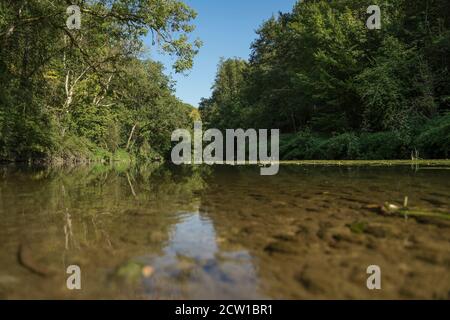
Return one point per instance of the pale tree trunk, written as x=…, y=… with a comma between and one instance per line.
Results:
x=131, y=136
x=70, y=87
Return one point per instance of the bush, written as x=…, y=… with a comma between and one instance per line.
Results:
x=73, y=148
x=434, y=141
x=341, y=147
x=383, y=146
x=350, y=146
x=298, y=146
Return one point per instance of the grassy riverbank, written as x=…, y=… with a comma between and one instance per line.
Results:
x=429, y=163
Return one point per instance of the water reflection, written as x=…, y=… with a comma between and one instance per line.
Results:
x=221, y=232
x=193, y=265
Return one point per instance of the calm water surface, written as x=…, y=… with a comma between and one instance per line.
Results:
x=222, y=232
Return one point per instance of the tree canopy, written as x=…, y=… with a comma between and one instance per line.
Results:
x=318, y=70
x=70, y=93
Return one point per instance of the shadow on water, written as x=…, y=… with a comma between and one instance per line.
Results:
x=159, y=232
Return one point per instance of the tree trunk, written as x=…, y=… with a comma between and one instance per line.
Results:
x=131, y=136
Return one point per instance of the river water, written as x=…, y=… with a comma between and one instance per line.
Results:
x=162, y=232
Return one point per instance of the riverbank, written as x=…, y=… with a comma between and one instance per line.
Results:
x=429, y=163
x=123, y=157
x=100, y=156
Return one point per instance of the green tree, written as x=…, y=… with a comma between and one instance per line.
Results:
x=63, y=89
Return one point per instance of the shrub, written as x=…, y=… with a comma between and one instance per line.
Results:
x=434, y=141
x=383, y=146
x=341, y=147
x=298, y=146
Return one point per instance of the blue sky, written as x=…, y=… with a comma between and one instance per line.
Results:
x=227, y=28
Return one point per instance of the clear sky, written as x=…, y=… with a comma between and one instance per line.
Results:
x=227, y=28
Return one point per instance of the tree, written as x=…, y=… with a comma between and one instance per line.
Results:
x=59, y=85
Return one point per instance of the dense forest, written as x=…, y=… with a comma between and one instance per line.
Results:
x=334, y=88
x=338, y=90
x=90, y=93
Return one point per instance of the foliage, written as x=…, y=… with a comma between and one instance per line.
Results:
x=434, y=140
x=85, y=94
x=223, y=108
x=431, y=142
x=383, y=146
x=338, y=90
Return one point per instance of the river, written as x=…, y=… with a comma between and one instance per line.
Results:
x=164, y=232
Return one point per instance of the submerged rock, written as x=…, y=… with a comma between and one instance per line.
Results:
x=132, y=272
x=358, y=227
